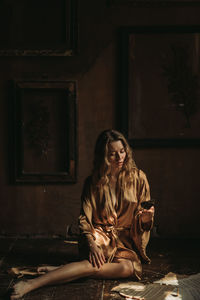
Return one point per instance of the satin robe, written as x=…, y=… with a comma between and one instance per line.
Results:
x=121, y=235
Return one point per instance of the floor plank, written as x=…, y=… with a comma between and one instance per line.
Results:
x=86, y=289
x=108, y=294
x=46, y=293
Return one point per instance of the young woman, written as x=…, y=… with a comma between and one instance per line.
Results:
x=114, y=229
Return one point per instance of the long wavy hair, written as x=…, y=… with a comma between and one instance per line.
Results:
x=102, y=168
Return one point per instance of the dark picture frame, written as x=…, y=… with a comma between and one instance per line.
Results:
x=149, y=90
x=154, y=3
x=45, y=139
x=38, y=28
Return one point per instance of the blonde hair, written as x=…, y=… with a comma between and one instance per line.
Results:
x=101, y=165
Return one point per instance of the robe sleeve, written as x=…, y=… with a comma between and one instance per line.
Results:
x=85, y=217
x=144, y=195
x=141, y=232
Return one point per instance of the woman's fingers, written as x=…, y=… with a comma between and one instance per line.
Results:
x=99, y=259
x=94, y=260
x=90, y=257
x=94, y=263
x=96, y=257
x=102, y=259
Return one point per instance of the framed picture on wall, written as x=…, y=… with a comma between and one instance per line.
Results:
x=38, y=28
x=159, y=100
x=45, y=145
x=154, y=3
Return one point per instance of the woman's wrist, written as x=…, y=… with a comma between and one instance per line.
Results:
x=90, y=240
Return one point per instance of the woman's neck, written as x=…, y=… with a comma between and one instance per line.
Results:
x=114, y=173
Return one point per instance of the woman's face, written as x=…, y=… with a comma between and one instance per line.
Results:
x=116, y=155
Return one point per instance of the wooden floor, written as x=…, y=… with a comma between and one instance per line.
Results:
x=180, y=256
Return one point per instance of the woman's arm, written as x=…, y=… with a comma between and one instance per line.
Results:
x=96, y=256
x=145, y=215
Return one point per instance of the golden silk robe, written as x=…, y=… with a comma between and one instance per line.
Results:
x=121, y=235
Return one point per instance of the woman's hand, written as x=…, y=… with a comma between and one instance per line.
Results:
x=96, y=256
x=147, y=215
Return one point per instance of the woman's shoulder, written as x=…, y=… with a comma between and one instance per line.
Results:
x=139, y=174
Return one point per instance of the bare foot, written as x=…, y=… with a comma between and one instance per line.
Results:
x=46, y=269
x=21, y=288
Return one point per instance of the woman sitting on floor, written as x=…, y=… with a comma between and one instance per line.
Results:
x=114, y=228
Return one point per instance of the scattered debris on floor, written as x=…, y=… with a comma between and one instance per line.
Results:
x=172, y=278
x=71, y=242
x=22, y=271
x=152, y=291
x=172, y=286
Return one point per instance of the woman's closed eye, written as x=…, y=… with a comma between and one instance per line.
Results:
x=114, y=153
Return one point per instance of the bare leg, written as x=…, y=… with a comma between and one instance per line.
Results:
x=72, y=271
x=122, y=268
x=45, y=269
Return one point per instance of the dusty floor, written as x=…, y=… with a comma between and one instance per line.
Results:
x=168, y=255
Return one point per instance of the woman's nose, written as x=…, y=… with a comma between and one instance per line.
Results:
x=118, y=156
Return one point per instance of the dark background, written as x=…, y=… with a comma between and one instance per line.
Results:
x=173, y=173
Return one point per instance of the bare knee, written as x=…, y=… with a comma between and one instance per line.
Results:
x=90, y=268
x=126, y=268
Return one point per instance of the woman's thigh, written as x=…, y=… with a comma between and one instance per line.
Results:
x=120, y=268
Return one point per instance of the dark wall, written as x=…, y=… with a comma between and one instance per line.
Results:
x=173, y=173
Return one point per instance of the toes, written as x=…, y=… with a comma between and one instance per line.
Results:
x=13, y=297
x=17, y=291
